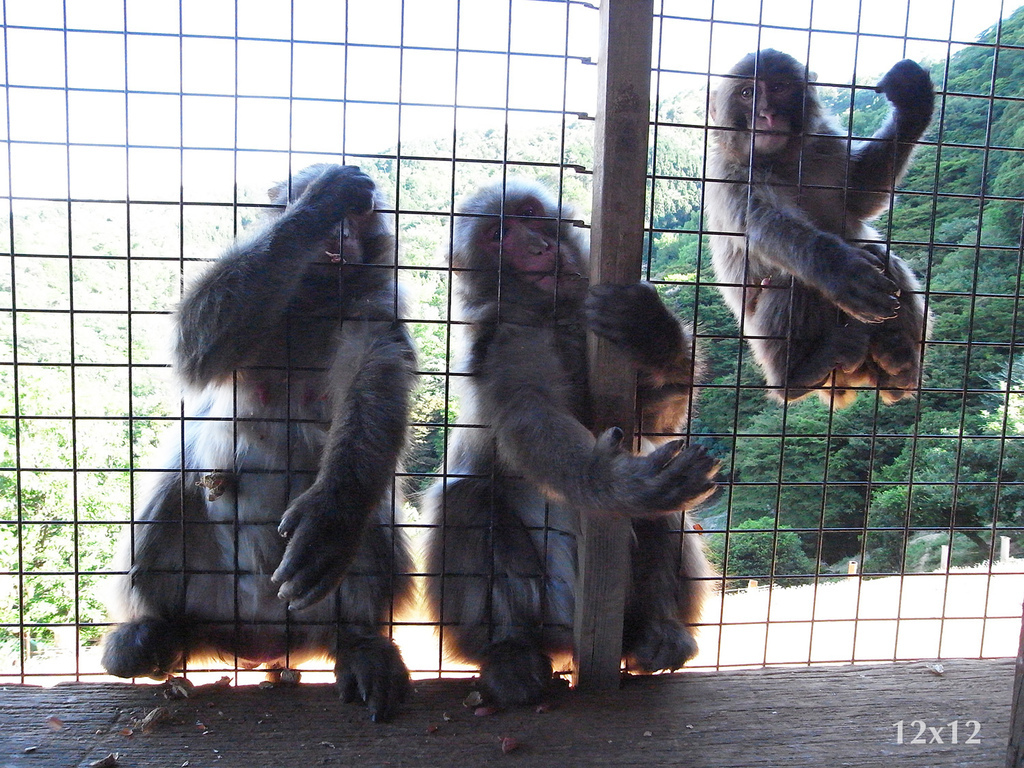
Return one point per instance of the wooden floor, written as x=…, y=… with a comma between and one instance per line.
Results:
x=801, y=717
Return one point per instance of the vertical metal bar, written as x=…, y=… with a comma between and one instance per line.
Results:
x=620, y=172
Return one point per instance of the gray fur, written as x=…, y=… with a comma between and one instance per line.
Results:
x=822, y=303
x=297, y=374
x=523, y=464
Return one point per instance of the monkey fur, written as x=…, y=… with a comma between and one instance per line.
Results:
x=823, y=304
x=523, y=465
x=297, y=375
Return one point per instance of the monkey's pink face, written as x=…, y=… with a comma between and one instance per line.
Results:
x=527, y=242
x=769, y=105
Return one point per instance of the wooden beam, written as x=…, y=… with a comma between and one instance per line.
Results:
x=616, y=252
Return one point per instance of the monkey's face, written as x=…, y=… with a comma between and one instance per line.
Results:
x=772, y=109
x=528, y=243
x=767, y=94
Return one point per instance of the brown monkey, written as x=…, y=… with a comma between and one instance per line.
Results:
x=822, y=303
x=297, y=376
x=525, y=465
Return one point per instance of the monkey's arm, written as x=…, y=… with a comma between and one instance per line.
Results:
x=634, y=317
x=537, y=434
x=780, y=236
x=878, y=163
x=238, y=305
x=324, y=525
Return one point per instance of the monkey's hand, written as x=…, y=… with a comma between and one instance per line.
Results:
x=909, y=87
x=634, y=318
x=323, y=539
x=854, y=280
x=658, y=483
x=340, y=191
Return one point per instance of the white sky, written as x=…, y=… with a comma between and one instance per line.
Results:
x=126, y=87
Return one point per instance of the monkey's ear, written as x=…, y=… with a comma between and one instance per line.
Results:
x=812, y=77
x=713, y=105
x=277, y=193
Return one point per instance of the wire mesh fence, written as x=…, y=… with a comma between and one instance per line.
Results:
x=141, y=138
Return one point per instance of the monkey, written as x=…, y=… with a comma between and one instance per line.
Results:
x=823, y=304
x=267, y=536
x=523, y=464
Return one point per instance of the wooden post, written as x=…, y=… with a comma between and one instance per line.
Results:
x=616, y=252
x=1015, y=750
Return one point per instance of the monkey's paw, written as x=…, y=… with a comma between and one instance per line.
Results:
x=323, y=539
x=634, y=317
x=143, y=648
x=514, y=673
x=658, y=645
x=660, y=482
x=909, y=87
x=340, y=191
x=859, y=286
x=371, y=670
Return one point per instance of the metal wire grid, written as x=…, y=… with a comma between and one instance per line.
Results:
x=875, y=636
x=95, y=269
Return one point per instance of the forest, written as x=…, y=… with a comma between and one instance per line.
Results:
x=86, y=396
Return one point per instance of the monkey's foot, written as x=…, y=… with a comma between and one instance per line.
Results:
x=143, y=648
x=800, y=385
x=371, y=670
x=514, y=673
x=657, y=645
x=897, y=353
x=843, y=346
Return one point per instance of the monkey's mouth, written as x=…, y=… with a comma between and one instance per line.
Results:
x=564, y=282
x=769, y=139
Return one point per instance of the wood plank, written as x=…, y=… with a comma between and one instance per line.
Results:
x=1015, y=749
x=616, y=252
x=781, y=717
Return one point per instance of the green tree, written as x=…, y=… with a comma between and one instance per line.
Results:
x=760, y=550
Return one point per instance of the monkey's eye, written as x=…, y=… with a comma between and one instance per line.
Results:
x=497, y=234
x=529, y=211
x=747, y=92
